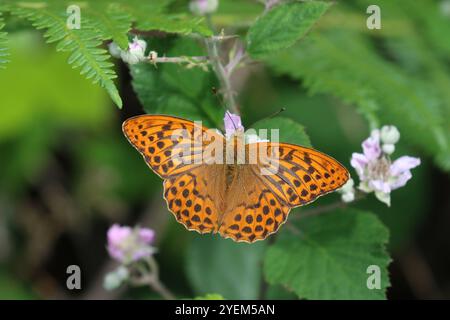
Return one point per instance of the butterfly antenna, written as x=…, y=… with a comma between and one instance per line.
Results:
x=277, y=113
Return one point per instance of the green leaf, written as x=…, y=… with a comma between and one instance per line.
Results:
x=210, y=296
x=330, y=257
x=231, y=269
x=188, y=81
x=345, y=65
x=175, y=90
x=289, y=130
x=177, y=105
x=282, y=26
x=147, y=85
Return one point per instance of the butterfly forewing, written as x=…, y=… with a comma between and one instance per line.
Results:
x=302, y=174
x=168, y=144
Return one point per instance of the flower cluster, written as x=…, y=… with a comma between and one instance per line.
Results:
x=376, y=171
x=126, y=244
x=134, y=54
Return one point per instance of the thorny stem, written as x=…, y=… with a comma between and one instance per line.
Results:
x=150, y=276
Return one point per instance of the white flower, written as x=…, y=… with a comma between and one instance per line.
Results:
x=376, y=171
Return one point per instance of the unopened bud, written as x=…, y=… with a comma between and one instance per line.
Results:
x=389, y=135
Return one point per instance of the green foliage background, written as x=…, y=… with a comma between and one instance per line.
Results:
x=67, y=173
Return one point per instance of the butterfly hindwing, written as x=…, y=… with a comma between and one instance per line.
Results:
x=190, y=198
x=254, y=212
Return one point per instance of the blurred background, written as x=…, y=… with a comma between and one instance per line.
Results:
x=67, y=173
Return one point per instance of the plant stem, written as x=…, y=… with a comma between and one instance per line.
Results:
x=155, y=283
x=222, y=75
x=150, y=276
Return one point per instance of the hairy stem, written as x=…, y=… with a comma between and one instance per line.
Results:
x=149, y=275
x=212, y=45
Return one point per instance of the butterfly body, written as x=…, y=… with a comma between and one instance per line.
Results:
x=213, y=184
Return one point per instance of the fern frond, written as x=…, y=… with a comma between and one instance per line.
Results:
x=83, y=45
x=3, y=44
x=111, y=22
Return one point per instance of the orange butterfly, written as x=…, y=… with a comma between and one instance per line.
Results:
x=235, y=199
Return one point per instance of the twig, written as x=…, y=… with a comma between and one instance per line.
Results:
x=179, y=59
x=419, y=275
x=327, y=208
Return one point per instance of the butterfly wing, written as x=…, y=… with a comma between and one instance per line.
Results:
x=192, y=190
x=168, y=144
x=295, y=176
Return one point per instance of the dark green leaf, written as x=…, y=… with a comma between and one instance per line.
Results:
x=231, y=269
x=330, y=257
x=289, y=130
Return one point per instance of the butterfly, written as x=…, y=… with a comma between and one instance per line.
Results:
x=237, y=200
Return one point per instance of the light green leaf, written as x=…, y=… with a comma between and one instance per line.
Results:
x=231, y=269
x=330, y=257
x=289, y=130
x=3, y=44
x=282, y=26
x=83, y=44
x=210, y=296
